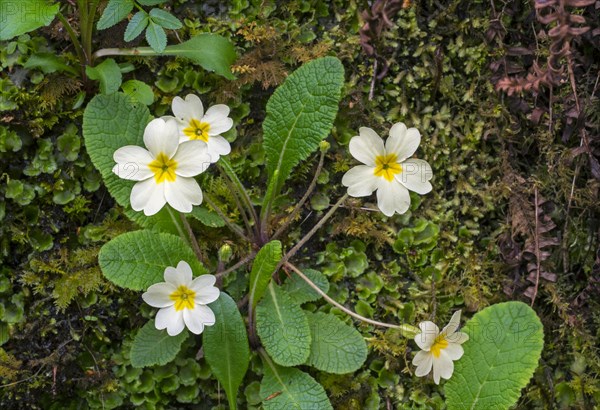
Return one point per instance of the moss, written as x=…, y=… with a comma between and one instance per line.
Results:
x=448, y=252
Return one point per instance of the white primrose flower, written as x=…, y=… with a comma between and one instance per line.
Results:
x=182, y=300
x=165, y=170
x=195, y=124
x=439, y=349
x=387, y=168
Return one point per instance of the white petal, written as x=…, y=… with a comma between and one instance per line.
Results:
x=424, y=362
x=218, y=146
x=453, y=324
x=415, y=175
x=192, y=158
x=402, y=142
x=443, y=367
x=205, y=314
x=420, y=357
x=188, y=109
x=186, y=269
x=132, y=163
x=220, y=126
x=366, y=146
x=203, y=281
x=207, y=295
x=147, y=196
x=178, y=277
x=458, y=337
x=454, y=351
x=177, y=326
x=215, y=113
x=161, y=136
x=392, y=197
x=183, y=193
x=195, y=319
x=170, y=319
x=360, y=180
x=425, y=339
x=158, y=294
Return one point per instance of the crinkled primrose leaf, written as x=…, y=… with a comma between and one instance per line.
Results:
x=336, y=347
x=283, y=327
x=136, y=260
x=300, y=115
x=155, y=347
x=504, y=347
x=289, y=388
x=226, y=346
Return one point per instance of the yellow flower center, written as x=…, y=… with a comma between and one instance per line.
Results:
x=197, y=130
x=163, y=168
x=183, y=298
x=386, y=166
x=439, y=344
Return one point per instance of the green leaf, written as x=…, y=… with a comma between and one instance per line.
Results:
x=163, y=221
x=155, y=347
x=300, y=291
x=165, y=19
x=23, y=16
x=115, y=11
x=226, y=346
x=109, y=75
x=263, y=267
x=300, y=115
x=283, y=328
x=208, y=218
x=289, y=388
x=136, y=25
x=502, y=353
x=136, y=260
x=48, y=63
x=109, y=123
x=212, y=52
x=156, y=37
x=139, y=91
x=151, y=2
x=336, y=347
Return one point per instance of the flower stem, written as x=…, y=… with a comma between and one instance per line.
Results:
x=75, y=41
x=310, y=233
x=233, y=226
x=240, y=207
x=238, y=265
x=407, y=331
x=193, y=240
x=177, y=226
x=226, y=167
x=300, y=204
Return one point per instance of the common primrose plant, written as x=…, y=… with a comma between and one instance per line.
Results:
x=165, y=260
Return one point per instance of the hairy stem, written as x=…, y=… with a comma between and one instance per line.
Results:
x=227, y=169
x=310, y=233
x=233, y=226
x=240, y=207
x=75, y=41
x=300, y=204
x=87, y=40
x=238, y=265
x=407, y=331
x=179, y=230
x=193, y=240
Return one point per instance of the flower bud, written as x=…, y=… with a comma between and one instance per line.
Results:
x=225, y=253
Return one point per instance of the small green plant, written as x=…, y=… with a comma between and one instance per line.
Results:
x=210, y=51
x=164, y=257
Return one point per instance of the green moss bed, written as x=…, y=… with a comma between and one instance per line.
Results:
x=510, y=127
